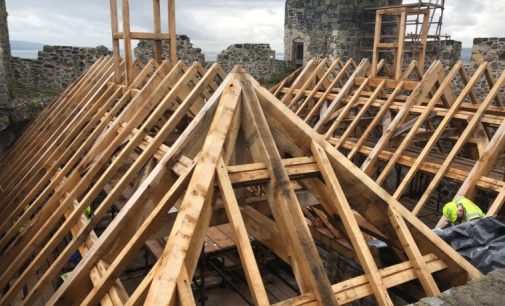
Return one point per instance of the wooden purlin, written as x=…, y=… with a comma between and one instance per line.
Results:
x=427, y=112
x=131, y=145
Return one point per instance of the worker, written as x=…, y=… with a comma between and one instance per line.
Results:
x=25, y=225
x=62, y=278
x=460, y=210
x=88, y=212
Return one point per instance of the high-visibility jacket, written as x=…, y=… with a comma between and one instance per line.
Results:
x=472, y=211
x=87, y=212
x=64, y=276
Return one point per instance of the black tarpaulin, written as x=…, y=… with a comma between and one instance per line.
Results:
x=482, y=242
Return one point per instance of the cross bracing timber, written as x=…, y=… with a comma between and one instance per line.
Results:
x=395, y=130
x=165, y=152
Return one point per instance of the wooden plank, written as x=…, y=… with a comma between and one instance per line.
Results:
x=351, y=226
x=402, y=26
x=293, y=137
x=421, y=91
x=127, y=41
x=312, y=93
x=288, y=215
x=407, y=140
x=415, y=256
x=172, y=31
x=461, y=140
x=497, y=204
x=157, y=30
x=376, y=41
x=323, y=97
x=357, y=287
x=162, y=289
x=425, y=28
x=438, y=132
x=360, y=70
x=377, y=119
x=246, y=253
x=143, y=36
x=360, y=114
x=345, y=110
x=115, y=41
x=485, y=164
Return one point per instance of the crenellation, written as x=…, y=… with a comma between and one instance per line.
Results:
x=258, y=59
x=185, y=50
x=56, y=66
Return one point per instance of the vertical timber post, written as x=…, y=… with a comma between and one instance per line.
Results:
x=171, y=30
x=115, y=41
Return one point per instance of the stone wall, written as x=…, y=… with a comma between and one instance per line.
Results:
x=449, y=53
x=56, y=66
x=35, y=82
x=491, y=50
x=258, y=59
x=185, y=50
x=487, y=290
x=328, y=28
x=5, y=55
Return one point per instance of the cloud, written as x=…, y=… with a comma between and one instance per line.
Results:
x=468, y=19
x=212, y=25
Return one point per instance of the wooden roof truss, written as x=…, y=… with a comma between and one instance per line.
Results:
x=397, y=129
x=170, y=151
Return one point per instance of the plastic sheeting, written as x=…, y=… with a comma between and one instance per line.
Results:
x=482, y=242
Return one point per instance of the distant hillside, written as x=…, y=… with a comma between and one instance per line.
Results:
x=25, y=45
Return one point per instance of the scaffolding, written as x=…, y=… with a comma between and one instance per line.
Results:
x=413, y=28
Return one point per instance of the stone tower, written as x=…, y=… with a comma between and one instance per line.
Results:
x=5, y=60
x=327, y=28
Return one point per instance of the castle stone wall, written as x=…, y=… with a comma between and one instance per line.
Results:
x=258, y=59
x=491, y=50
x=5, y=55
x=328, y=28
x=185, y=50
x=56, y=66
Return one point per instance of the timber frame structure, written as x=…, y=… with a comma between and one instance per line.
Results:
x=421, y=124
x=96, y=146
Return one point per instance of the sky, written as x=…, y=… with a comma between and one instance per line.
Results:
x=212, y=25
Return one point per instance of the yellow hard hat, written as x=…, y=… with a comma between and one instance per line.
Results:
x=450, y=211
